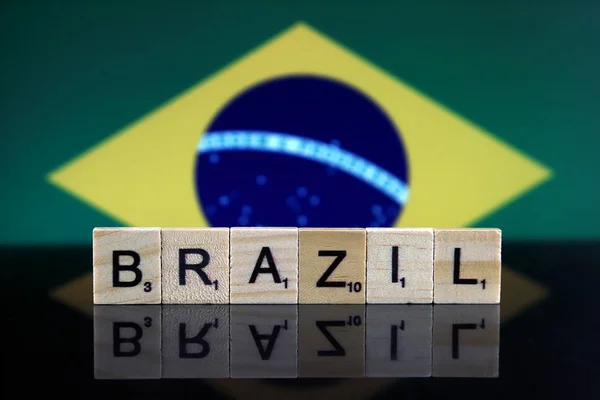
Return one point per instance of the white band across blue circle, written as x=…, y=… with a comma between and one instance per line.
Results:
x=310, y=149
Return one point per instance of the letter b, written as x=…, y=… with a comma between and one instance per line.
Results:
x=118, y=340
x=133, y=267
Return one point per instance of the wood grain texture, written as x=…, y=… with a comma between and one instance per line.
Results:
x=331, y=341
x=467, y=266
x=264, y=341
x=466, y=340
x=202, y=351
x=399, y=265
x=347, y=245
x=142, y=322
x=145, y=244
x=273, y=253
x=399, y=340
x=205, y=245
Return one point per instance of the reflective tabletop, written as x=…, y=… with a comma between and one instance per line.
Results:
x=541, y=341
x=288, y=341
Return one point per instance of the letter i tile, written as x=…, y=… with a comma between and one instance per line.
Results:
x=400, y=265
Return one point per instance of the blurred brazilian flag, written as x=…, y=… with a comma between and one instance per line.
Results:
x=103, y=104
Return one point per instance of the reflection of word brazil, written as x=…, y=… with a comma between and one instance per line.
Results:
x=291, y=341
x=290, y=265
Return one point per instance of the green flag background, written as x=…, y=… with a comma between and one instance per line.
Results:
x=74, y=72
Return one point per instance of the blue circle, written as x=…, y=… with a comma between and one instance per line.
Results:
x=311, y=110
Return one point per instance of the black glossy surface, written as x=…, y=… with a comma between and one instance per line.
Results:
x=548, y=350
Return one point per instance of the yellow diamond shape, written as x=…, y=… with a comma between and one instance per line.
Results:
x=143, y=175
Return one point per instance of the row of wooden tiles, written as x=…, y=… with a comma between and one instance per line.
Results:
x=296, y=265
x=290, y=341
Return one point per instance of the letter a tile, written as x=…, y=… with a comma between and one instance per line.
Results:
x=126, y=266
x=264, y=265
x=467, y=266
x=195, y=265
x=332, y=265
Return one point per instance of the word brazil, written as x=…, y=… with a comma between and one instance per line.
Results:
x=296, y=265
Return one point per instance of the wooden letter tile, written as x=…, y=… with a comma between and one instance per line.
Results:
x=399, y=265
x=195, y=341
x=195, y=265
x=467, y=266
x=466, y=340
x=127, y=266
x=332, y=265
x=264, y=265
x=264, y=341
x=127, y=342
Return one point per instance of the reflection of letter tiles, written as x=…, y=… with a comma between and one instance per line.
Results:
x=264, y=265
x=126, y=266
x=331, y=341
x=399, y=265
x=264, y=341
x=467, y=266
x=195, y=341
x=466, y=340
x=332, y=265
x=288, y=341
x=127, y=342
x=399, y=340
x=195, y=265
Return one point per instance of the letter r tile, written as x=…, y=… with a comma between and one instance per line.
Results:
x=195, y=265
x=332, y=265
x=264, y=265
x=126, y=266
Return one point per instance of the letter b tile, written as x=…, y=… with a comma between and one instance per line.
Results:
x=126, y=265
